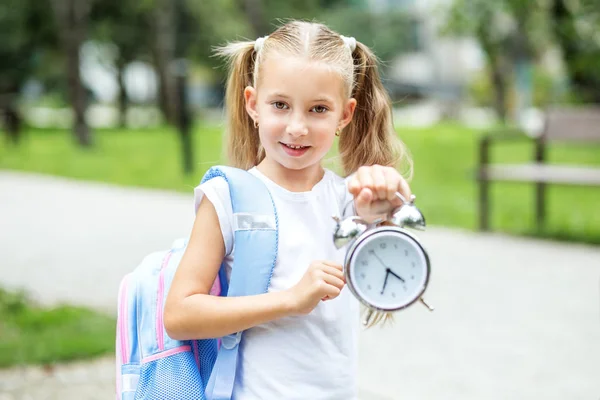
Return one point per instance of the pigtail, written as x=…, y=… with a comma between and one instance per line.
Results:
x=370, y=138
x=243, y=144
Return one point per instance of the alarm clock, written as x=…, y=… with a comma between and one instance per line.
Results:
x=386, y=267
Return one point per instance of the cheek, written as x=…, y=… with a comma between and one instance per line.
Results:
x=272, y=121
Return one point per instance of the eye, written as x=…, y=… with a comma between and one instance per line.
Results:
x=279, y=105
x=319, y=109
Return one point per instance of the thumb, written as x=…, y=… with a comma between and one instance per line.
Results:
x=364, y=198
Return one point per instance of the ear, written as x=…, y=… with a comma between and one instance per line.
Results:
x=347, y=113
x=250, y=97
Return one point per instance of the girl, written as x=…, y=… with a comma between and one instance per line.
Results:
x=288, y=96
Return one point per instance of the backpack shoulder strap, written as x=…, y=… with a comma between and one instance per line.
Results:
x=255, y=227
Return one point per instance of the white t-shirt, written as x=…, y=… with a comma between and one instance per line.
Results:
x=304, y=357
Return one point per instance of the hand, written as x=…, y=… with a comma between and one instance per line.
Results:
x=323, y=280
x=374, y=189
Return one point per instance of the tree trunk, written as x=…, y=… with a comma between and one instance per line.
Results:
x=164, y=54
x=499, y=82
x=123, y=98
x=72, y=17
x=12, y=124
x=498, y=70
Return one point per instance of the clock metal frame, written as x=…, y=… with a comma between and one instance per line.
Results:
x=350, y=258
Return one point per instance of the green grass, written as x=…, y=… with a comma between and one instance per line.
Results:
x=30, y=334
x=444, y=157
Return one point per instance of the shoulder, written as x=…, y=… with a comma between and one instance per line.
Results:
x=215, y=189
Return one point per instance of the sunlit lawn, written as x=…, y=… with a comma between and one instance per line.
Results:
x=30, y=334
x=444, y=156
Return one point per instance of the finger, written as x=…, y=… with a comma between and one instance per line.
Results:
x=333, y=281
x=364, y=198
x=379, y=207
x=392, y=180
x=354, y=185
x=379, y=182
x=334, y=272
x=331, y=292
x=404, y=189
x=333, y=264
x=365, y=178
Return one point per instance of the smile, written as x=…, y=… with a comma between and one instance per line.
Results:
x=291, y=146
x=294, y=150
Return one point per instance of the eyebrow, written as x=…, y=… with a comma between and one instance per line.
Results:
x=279, y=95
x=325, y=99
x=320, y=98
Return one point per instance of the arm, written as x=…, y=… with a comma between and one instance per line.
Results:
x=190, y=312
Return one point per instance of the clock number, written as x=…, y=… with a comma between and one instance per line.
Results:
x=383, y=245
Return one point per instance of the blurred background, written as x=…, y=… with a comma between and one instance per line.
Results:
x=127, y=93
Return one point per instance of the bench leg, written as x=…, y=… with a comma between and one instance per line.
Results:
x=540, y=205
x=483, y=205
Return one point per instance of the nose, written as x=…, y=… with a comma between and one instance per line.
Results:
x=297, y=125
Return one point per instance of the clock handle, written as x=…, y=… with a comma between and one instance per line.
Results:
x=429, y=307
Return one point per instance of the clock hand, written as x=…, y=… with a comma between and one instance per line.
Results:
x=387, y=274
x=396, y=275
x=379, y=259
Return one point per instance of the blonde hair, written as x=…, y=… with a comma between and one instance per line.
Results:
x=370, y=137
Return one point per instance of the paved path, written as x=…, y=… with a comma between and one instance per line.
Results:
x=515, y=318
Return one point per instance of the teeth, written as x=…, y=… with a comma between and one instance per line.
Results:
x=294, y=147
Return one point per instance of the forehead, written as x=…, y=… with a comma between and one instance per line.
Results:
x=299, y=77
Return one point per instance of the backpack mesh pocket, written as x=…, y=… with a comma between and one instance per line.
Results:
x=174, y=377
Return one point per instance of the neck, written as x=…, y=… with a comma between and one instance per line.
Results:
x=294, y=180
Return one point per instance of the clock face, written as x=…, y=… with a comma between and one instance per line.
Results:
x=388, y=270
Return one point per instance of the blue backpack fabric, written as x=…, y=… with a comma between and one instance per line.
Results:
x=153, y=366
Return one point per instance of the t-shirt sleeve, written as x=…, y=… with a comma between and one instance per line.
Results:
x=216, y=191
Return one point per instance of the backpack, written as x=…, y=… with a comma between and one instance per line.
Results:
x=153, y=366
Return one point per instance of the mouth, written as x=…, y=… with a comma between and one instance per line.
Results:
x=293, y=149
x=294, y=146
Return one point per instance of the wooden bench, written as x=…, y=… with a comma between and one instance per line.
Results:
x=561, y=125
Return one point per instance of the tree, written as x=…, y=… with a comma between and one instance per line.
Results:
x=72, y=17
x=25, y=32
x=511, y=34
x=575, y=26
x=124, y=23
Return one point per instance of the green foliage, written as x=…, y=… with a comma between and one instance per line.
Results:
x=25, y=30
x=387, y=34
x=576, y=26
x=125, y=23
x=30, y=334
x=544, y=90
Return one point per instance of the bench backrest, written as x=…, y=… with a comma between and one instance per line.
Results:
x=572, y=124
